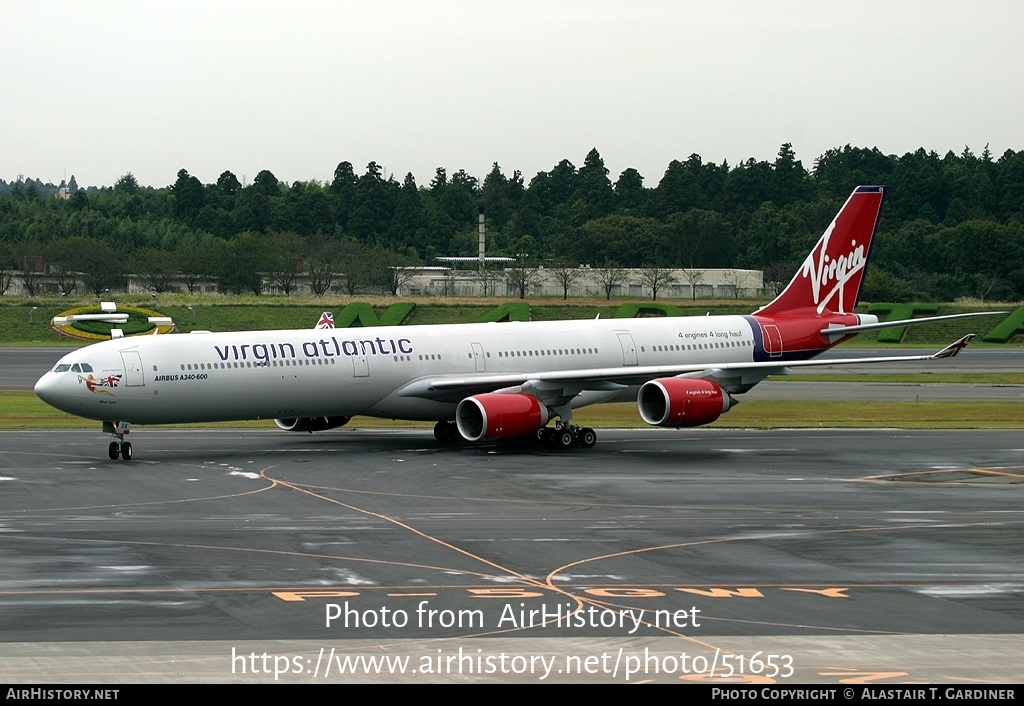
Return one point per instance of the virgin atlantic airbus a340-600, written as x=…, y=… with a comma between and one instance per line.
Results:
x=492, y=381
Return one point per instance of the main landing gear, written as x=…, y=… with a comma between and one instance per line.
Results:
x=119, y=448
x=558, y=437
x=567, y=436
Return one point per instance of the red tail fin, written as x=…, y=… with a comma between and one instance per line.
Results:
x=831, y=277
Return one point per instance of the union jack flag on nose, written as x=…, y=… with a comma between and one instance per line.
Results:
x=326, y=320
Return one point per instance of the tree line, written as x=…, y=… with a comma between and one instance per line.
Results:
x=952, y=226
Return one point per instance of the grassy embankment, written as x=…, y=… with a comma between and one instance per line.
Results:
x=26, y=322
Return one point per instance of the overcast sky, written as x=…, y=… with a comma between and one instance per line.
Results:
x=100, y=88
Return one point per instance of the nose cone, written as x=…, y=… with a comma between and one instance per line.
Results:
x=46, y=389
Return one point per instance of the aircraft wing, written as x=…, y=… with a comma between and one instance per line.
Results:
x=733, y=377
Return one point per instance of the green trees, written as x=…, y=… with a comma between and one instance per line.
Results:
x=594, y=189
x=951, y=225
x=700, y=238
x=989, y=257
x=93, y=262
x=127, y=184
x=187, y=196
x=627, y=240
x=322, y=254
x=155, y=268
x=239, y=263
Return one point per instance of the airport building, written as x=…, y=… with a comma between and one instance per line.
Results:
x=462, y=277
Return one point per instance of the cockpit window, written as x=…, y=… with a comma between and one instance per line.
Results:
x=73, y=367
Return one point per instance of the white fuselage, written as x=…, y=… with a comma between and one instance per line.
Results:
x=201, y=377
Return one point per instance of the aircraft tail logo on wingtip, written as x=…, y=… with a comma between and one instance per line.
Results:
x=953, y=349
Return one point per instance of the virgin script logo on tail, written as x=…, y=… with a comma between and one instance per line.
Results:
x=835, y=271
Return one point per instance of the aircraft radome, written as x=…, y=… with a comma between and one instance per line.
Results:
x=492, y=381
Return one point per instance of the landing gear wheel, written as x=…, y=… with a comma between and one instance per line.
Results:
x=118, y=447
x=553, y=438
x=439, y=431
x=563, y=439
x=447, y=432
x=587, y=437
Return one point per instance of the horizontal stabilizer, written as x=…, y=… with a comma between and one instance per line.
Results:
x=839, y=330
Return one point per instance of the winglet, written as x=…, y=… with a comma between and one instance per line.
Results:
x=953, y=349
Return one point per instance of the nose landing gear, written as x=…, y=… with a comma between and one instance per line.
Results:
x=119, y=448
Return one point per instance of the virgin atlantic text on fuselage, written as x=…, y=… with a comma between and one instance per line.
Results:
x=324, y=348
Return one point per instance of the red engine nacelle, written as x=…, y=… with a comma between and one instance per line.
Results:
x=496, y=415
x=682, y=402
x=311, y=424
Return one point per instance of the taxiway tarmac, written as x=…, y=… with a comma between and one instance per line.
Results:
x=807, y=556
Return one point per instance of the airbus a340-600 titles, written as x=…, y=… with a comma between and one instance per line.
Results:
x=493, y=381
